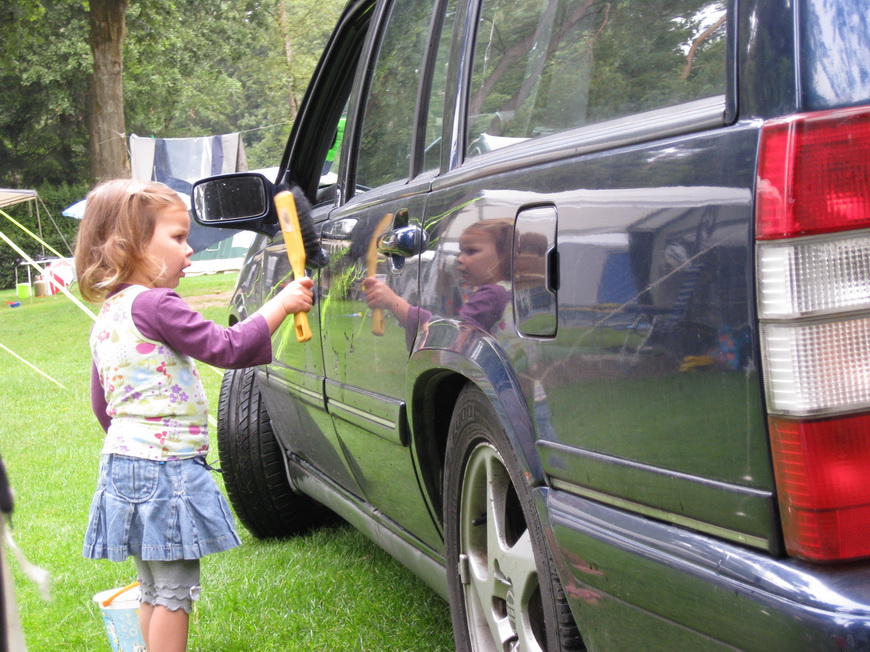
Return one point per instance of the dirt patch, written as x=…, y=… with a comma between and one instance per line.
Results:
x=221, y=298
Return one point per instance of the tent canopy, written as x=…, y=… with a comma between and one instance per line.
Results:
x=9, y=197
x=178, y=163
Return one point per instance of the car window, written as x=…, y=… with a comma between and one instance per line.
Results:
x=388, y=125
x=437, y=91
x=544, y=66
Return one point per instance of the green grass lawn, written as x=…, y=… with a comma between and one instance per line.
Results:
x=330, y=590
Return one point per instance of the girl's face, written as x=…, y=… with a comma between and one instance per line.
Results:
x=478, y=262
x=168, y=248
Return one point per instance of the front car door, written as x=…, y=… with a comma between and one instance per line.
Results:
x=365, y=350
x=293, y=385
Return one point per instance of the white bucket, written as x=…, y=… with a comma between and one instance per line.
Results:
x=120, y=610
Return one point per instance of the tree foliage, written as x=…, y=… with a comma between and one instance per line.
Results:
x=190, y=68
x=43, y=85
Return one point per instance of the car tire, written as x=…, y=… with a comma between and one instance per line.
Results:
x=504, y=592
x=252, y=462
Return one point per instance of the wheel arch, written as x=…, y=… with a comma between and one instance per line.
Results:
x=437, y=375
x=237, y=309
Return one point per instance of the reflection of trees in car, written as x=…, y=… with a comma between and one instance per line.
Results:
x=386, y=137
x=542, y=70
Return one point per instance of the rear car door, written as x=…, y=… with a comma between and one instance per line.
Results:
x=603, y=132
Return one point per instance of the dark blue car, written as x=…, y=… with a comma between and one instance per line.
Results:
x=591, y=346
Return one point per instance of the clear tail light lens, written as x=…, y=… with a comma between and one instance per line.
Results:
x=813, y=277
x=816, y=369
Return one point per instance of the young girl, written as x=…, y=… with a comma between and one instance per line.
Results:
x=155, y=500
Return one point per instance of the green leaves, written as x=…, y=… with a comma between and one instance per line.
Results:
x=191, y=68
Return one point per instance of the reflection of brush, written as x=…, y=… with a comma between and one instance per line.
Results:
x=372, y=264
x=295, y=241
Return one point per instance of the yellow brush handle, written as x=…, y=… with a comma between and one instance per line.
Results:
x=289, y=219
x=372, y=264
x=377, y=321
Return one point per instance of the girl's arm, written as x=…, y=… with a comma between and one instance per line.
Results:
x=486, y=306
x=163, y=316
x=98, y=399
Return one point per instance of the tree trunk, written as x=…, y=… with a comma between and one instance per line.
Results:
x=284, y=26
x=108, y=147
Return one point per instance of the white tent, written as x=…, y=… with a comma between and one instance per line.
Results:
x=178, y=162
x=60, y=271
x=9, y=197
x=76, y=211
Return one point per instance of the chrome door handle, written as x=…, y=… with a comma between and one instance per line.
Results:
x=403, y=242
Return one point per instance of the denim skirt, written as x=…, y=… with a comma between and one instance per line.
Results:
x=158, y=511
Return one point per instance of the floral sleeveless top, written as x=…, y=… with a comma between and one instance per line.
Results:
x=154, y=395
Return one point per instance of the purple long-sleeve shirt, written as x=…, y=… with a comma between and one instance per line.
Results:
x=161, y=315
x=484, y=308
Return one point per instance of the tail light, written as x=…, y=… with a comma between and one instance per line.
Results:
x=813, y=257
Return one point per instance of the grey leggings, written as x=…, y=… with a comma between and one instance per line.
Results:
x=170, y=584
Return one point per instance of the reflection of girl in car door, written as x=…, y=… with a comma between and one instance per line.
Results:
x=483, y=264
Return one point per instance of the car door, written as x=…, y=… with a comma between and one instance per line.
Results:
x=293, y=385
x=604, y=133
x=366, y=350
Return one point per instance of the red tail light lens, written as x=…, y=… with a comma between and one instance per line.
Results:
x=814, y=174
x=824, y=485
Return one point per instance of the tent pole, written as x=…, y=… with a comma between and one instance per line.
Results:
x=39, y=226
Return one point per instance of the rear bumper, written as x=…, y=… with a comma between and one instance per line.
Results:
x=635, y=583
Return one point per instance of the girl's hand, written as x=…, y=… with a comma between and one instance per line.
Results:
x=378, y=294
x=297, y=296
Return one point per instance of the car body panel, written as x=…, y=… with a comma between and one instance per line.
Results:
x=750, y=600
x=680, y=303
x=365, y=384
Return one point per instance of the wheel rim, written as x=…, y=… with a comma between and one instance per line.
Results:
x=502, y=593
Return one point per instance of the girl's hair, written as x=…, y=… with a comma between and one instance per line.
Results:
x=115, y=231
x=501, y=231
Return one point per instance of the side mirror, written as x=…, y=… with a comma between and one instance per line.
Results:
x=237, y=201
